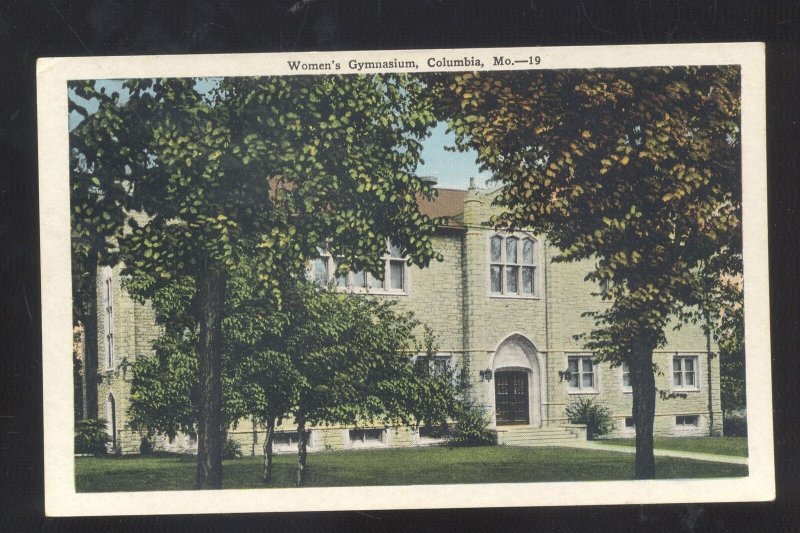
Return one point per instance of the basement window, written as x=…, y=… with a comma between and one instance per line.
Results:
x=366, y=436
x=687, y=420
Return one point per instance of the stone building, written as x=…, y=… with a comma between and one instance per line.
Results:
x=505, y=315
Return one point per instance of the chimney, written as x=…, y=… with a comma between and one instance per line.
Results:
x=428, y=180
x=472, y=184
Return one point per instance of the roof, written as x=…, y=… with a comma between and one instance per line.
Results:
x=448, y=203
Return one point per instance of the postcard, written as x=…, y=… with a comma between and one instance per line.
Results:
x=405, y=279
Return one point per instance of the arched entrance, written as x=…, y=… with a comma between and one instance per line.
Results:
x=111, y=422
x=517, y=383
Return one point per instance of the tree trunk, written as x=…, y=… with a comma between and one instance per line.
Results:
x=90, y=358
x=302, y=451
x=643, y=384
x=211, y=298
x=268, y=439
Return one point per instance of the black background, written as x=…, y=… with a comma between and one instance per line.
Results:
x=106, y=27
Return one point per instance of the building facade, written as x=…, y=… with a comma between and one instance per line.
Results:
x=505, y=316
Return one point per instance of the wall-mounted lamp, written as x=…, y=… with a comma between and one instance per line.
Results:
x=564, y=374
x=124, y=365
x=486, y=375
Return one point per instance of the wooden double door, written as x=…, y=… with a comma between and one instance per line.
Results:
x=511, y=397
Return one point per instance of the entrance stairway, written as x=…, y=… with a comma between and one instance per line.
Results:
x=544, y=436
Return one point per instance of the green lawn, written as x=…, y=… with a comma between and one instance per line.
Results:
x=716, y=445
x=493, y=464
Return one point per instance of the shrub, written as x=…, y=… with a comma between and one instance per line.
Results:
x=231, y=449
x=734, y=426
x=91, y=436
x=595, y=417
x=470, y=427
x=146, y=447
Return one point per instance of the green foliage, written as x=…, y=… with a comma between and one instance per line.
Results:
x=260, y=171
x=636, y=169
x=353, y=356
x=231, y=449
x=276, y=166
x=164, y=388
x=730, y=337
x=471, y=427
x=91, y=436
x=596, y=417
x=734, y=426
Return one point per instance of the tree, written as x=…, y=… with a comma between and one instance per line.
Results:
x=96, y=216
x=323, y=357
x=274, y=168
x=353, y=357
x=634, y=169
x=728, y=305
x=164, y=388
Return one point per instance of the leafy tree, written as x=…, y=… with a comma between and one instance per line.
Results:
x=322, y=358
x=353, y=357
x=271, y=167
x=96, y=200
x=729, y=334
x=634, y=169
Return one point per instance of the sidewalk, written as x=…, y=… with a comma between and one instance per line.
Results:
x=591, y=445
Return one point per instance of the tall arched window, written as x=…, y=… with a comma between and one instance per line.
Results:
x=108, y=317
x=513, y=268
x=111, y=416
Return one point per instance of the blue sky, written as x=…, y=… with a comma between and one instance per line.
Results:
x=452, y=170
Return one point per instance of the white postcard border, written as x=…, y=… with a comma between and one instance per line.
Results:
x=61, y=498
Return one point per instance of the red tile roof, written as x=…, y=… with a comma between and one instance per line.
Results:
x=448, y=203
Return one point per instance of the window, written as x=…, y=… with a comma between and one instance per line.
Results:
x=581, y=373
x=684, y=373
x=687, y=420
x=629, y=422
x=284, y=438
x=366, y=436
x=434, y=432
x=606, y=284
x=513, y=266
x=437, y=365
x=108, y=318
x=325, y=270
x=626, y=377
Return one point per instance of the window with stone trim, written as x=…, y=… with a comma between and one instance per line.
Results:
x=435, y=365
x=626, y=377
x=366, y=436
x=513, y=265
x=108, y=318
x=325, y=271
x=582, y=375
x=687, y=420
x=685, y=372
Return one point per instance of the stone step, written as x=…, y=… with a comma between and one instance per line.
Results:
x=537, y=431
x=537, y=439
x=527, y=436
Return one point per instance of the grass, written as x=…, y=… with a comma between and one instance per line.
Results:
x=736, y=446
x=491, y=464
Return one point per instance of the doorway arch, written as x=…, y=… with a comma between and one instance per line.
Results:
x=518, y=389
